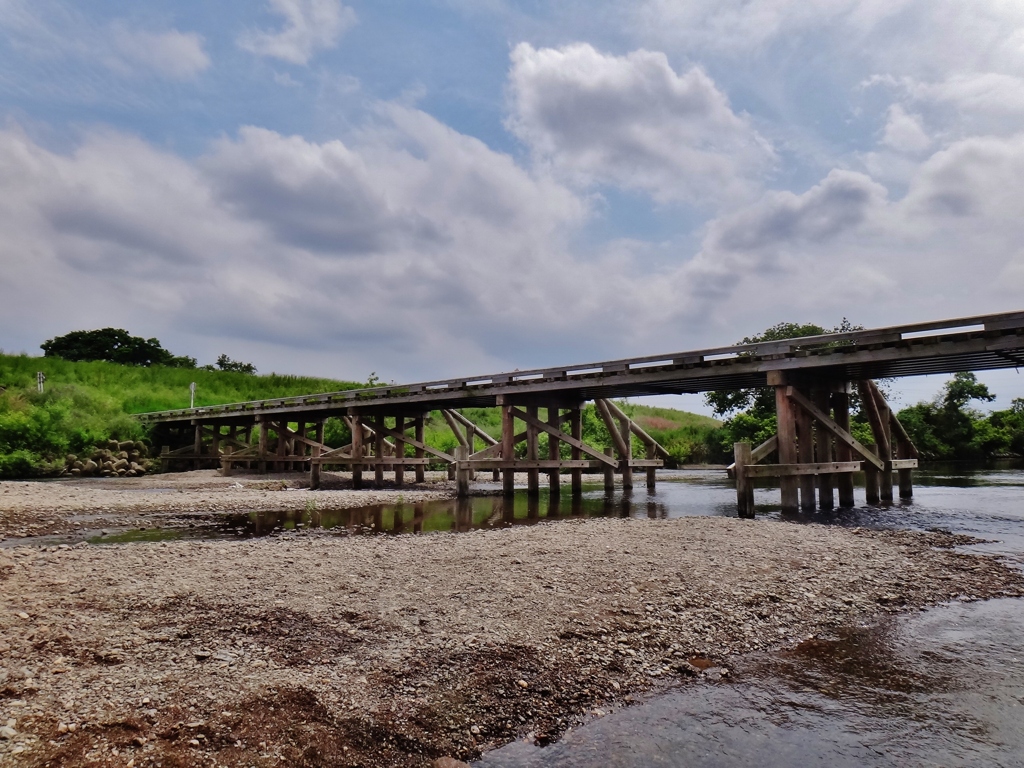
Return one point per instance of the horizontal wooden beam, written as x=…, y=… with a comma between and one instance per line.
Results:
x=524, y=464
x=788, y=470
x=368, y=461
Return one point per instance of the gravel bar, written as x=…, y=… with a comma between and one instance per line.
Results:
x=309, y=649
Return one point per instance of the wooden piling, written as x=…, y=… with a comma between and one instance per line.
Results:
x=378, y=451
x=508, y=452
x=843, y=452
x=399, y=451
x=805, y=455
x=357, y=449
x=871, y=478
x=877, y=411
x=784, y=411
x=627, y=455
x=532, y=474
x=609, y=473
x=554, y=481
x=197, y=445
x=462, y=471
x=314, y=466
x=576, y=431
x=264, y=438
x=418, y=429
x=744, y=487
x=823, y=450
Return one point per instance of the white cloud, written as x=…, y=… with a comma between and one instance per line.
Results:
x=632, y=121
x=310, y=26
x=904, y=132
x=174, y=54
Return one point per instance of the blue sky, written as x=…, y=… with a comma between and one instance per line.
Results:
x=440, y=188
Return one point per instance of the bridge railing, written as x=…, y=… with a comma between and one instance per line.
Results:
x=781, y=347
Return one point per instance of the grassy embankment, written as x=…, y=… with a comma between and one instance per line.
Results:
x=86, y=404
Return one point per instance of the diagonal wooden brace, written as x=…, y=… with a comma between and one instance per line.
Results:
x=568, y=439
x=838, y=432
x=379, y=427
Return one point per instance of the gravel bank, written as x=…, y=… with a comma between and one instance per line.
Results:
x=393, y=651
x=63, y=507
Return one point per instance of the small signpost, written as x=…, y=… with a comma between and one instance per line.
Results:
x=40, y=378
x=191, y=393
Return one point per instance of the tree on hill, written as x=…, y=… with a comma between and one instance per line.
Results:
x=225, y=363
x=113, y=345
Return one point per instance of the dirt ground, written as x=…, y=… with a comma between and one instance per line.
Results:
x=311, y=649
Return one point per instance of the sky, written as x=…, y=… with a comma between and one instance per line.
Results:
x=440, y=188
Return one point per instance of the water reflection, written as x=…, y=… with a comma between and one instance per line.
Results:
x=449, y=514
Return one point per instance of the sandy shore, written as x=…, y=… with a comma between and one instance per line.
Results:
x=311, y=649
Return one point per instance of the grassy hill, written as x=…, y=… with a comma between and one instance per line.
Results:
x=86, y=404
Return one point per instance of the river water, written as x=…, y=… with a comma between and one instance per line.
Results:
x=944, y=687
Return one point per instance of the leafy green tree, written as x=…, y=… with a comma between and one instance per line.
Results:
x=947, y=428
x=225, y=363
x=113, y=345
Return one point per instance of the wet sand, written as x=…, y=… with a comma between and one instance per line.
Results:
x=312, y=649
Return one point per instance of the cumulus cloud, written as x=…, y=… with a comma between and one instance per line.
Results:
x=309, y=26
x=904, y=132
x=632, y=121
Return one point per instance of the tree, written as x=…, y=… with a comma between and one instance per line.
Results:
x=113, y=345
x=947, y=429
x=225, y=363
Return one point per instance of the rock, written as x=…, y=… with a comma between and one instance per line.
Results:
x=522, y=684
x=448, y=762
x=202, y=654
x=62, y=728
x=7, y=732
x=127, y=445
x=76, y=472
x=89, y=467
x=123, y=455
x=224, y=656
x=475, y=730
x=71, y=459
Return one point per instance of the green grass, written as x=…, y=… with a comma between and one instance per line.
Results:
x=86, y=404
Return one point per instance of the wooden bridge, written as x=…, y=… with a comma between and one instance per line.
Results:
x=814, y=378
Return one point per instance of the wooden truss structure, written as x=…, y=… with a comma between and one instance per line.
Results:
x=394, y=443
x=817, y=452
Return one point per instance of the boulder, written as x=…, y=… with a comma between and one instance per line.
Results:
x=120, y=464
x=90, y=467
x=127, y=445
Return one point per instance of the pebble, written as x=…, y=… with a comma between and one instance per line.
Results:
x=7, y=732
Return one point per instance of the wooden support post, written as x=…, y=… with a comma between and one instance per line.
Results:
x=225, y=468
x=878, y=416
x=652, y=453
x=533, y=475
x=554, y=481
x=627, y=456
x=215, y=444
x=314, y=466
x=784, y=412
x=264, y=438
x=841, y=413
x=357, y=449
x=378, y=451
x=905, y=450
x=197, y=445
x=805, y=455
x=871, y=479
x=419, y=454
x=744, y=487
x=508, y=450
x=399, y=451
x=282, y=446
x=470, y=442
x=609, y=474
x=576, y=430
x=823, y=450
x=462, y=472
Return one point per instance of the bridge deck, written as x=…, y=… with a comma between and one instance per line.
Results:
x=983, y=342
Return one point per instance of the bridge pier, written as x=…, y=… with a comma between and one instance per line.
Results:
x=816, y=449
